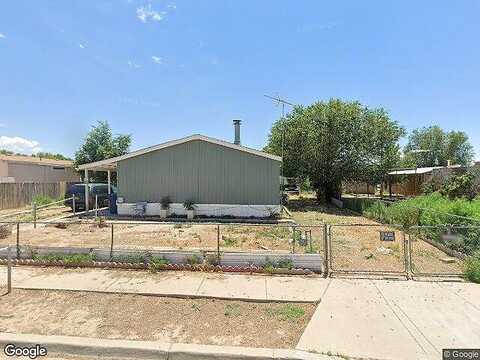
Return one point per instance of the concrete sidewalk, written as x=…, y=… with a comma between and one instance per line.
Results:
x=170, y=283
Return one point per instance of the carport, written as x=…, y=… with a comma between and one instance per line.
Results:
x=107, y=166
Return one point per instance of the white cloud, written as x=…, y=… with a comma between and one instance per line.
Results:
x=144, y=13
x=81, y=46
x=172, y=6
x=3, y=36
x=19, y=145
x=157, y=60
x=133, y=64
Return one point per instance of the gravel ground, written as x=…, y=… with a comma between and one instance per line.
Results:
x=136, y=317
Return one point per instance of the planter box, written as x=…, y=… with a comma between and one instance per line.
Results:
x=164, y=213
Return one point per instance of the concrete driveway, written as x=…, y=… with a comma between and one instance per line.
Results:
x=394, y=319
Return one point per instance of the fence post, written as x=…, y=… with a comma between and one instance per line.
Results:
x=410, y=259
x=293, y=239
x=34, y=209
x=218, y=243
x=18, y=240
x=96, y=205
x=9, y=271
x=73, y=205
x=326, y=264
x=111, y=244
x=311, y=244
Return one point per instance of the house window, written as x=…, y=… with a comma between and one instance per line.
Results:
x=58, y=168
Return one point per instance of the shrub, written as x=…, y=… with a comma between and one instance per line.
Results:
x=472, y=268
x=189, y=205
x=459, y=186
x=68, y=259
x=43, y=199
x=193, y=260
x=156, y=263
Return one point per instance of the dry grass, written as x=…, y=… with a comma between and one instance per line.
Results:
x=135, y=317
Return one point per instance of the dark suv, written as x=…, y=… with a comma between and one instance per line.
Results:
x=78, y=190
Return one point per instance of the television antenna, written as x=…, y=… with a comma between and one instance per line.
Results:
x=279, y=101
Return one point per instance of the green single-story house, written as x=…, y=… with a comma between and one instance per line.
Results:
x=221, y=178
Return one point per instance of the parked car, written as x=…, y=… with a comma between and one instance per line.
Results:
x=94, y=189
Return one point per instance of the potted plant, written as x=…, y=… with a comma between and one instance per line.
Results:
x=165, y=206
x=189, y=206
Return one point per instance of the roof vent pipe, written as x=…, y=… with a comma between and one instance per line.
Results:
x=236, y=124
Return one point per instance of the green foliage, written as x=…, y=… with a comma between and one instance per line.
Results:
x=270, y=266
x=288, y=312
x=335, y=141
x=100, y=144
x=436, y=147
x=165, y=201
x=432, y=210
x=44, y=155
x=189, y=205
x=305, y=185
x=228, y=241
x=194, y=260
x=459, y=186
x=156, y=263
x=68, y=259
x=44, y=199
x=472, y=268
x=232, y=310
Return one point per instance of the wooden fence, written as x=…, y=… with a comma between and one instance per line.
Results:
x=15, y=195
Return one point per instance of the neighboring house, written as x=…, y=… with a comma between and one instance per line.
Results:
x=30, y=169
x=222, y=178
x=410, y=182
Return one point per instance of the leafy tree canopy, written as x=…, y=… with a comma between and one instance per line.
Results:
x=331, y=142
x=100, y=144
x=44, y=155
x=432, y=146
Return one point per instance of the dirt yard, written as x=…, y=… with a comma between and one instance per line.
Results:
x=166, y=236
x=360, y=248
x=135, y=317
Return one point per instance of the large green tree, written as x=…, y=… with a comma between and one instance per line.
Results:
x=101, y=144
x=432, y=146
x=335, y=141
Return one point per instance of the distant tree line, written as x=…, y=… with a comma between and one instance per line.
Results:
x=43, y=155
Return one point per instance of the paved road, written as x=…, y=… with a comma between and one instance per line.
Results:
x=376, y=319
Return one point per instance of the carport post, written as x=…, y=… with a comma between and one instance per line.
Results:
x=86, y=190
x=96, y=205
x=109, y=182
x=73, y=204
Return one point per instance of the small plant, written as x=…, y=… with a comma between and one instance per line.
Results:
x=44, y=200
x=157, y=263
x=212, y=259
x=193, y=260
x=101, y=221
x=228, y=241
x=68, y=259
x=165, y=202
x=189, y=205
x=287, y=312
x=285, y=264
x=232, y=310
x=472, y=268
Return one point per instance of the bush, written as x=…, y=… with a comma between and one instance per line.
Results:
x=472, y=268
x=44, y=200
x=460, y=186
x=189, y=205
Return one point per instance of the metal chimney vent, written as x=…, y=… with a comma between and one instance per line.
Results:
x=236, y=124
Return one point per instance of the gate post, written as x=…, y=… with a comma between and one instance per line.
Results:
x=326, y=247
x=408, y=255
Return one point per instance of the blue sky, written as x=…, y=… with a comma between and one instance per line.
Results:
x=160, y=70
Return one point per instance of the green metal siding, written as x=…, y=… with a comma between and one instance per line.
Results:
x=204, y=172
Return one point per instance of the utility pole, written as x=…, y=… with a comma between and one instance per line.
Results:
x=282, y=102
